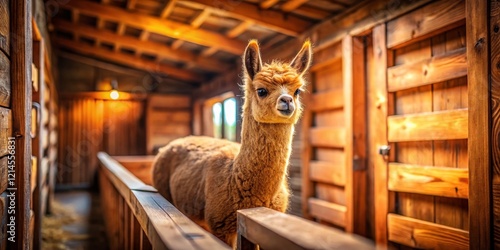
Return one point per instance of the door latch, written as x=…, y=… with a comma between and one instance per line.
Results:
x=384, y=150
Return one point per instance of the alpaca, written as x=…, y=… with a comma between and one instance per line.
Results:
x=210, y=179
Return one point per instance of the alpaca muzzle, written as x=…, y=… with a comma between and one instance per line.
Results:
x=285, y=105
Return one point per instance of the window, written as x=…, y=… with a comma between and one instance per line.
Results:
x=224, y=119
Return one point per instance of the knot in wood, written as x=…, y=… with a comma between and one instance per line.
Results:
x=496, y=28
x=479, y=44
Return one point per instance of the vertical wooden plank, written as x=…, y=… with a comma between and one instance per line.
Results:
x=307, y=185
x=495, y=114
x=355, y=146
x=378, y=108
x=21, y=43
x=479, y=124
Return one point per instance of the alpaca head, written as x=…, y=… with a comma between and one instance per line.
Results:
x=272, y=91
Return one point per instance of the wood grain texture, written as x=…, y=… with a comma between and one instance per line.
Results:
x=425, y=22
x=5, y=26
x=327, y=137
x=439, y=181
x=273, y=230
x=327, y=211
x=479, y=149
x=420, y=234
x=327, y=172
x=5, y=85
x=21, y=115
x=307, y=186
x=441, y=125
x=3, y=173
x=495, y=115
x=333, y=99
x=327, y=56
x=5, y=130
x=3, y=221
x=436, y=69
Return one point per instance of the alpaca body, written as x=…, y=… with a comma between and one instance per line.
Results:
x=210, y=179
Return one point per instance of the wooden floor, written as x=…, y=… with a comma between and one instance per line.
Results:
x=76, y=223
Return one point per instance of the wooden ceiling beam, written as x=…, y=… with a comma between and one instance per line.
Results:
x=268, y=4
x=238, y=29
x=164, y=27
x=195, y=23
x=313, y=13
x=169, y=7
x=292, y=5
x=163, y=51
x=130, y=60
x=271, y=19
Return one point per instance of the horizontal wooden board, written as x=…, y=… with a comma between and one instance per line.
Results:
x=140, y=166
x=436, y=69
x=426, y=235
x=330, y=193
x=439, y=181
x=182, y=129
x=425, y=22
x=274, y=230
x=441, y=125
x=44, y=169
x=3, y=173
x=162, y=117
x=33, y=174
x=333, y=99
x=327, y=56
x=5, y=129
x=327, y=172
x=4, y=80
x=5, y=26
x=327, y=137
x=328, y=211
x=169, y=101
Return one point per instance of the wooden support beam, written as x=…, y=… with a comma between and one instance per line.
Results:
x=292, y=5
x=239, y=29
x=425, y=22
x=327, y=137
x=169, y=7
x=439, y=125
x=328, y=172
x=271, y=19
x=328, y=211
x=495, y=114
x=161, y=50
x=429, y=180
x=333, y=99
x=266, y=4
x=195, y=23
x=436, y=69
x=425, y=235
x=478, y=39
x=21, y=60
x=164, y=27
x=129, y=60
x=313, y=13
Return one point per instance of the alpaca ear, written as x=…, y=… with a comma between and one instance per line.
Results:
x=303, y=59
x=251, y=59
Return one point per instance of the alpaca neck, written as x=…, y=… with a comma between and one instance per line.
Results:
x=262, y=163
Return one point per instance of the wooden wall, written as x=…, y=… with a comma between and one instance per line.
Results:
x=133, y=125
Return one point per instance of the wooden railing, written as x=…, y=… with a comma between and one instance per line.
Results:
x=138, y=217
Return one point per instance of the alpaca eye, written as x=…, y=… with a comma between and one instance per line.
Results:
x=297, y=92
x=261, y=92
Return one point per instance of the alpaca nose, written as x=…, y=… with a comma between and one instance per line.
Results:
x=286, y=99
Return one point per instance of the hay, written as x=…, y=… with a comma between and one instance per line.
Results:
x=54, y=236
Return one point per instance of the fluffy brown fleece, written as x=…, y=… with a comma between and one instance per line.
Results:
x=209, y=179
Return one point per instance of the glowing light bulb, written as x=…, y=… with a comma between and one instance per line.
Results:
x=114, y=94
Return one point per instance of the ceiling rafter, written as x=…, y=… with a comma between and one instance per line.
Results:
x=161, y=50
x=130, y=60
x=292, y=5
x=169, y=7
x=271, y=19
x=268, y=4
x=160, y=26
x=312, y=12
x=195, y=23
x=238, y=29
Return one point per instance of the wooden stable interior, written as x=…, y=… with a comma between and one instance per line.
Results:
x=398, y=146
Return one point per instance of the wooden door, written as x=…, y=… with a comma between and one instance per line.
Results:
x=419, y=105
x=334, y=153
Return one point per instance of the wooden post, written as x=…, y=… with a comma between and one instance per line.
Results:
x=478, y=44
x=21, y=44
x=495, y=113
